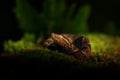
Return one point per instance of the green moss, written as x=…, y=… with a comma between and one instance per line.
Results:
x=105, y=52
x=103, y=43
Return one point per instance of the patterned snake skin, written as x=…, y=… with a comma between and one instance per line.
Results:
x=76, y=45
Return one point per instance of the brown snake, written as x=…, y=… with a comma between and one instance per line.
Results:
x=72, y=44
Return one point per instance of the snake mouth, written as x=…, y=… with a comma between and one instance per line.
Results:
x=56, y=37
x=53, y=34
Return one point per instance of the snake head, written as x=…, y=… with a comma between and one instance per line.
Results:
x=61, y=40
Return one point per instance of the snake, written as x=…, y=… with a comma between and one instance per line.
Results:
x=76, y=45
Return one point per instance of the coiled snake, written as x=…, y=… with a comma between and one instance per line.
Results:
x=76, y=45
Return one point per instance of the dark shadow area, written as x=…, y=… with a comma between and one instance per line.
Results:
x=15, y=68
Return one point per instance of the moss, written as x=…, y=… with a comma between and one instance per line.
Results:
x=103, y=43
x=99, y=58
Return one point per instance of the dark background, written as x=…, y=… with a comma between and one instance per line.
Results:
x=102, y=11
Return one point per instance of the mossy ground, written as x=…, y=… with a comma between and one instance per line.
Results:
x=105, y=53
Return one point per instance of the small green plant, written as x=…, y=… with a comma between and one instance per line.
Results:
x=26, y=42
x=53, y=18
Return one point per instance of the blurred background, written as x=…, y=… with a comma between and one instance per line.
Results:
x=42, y=17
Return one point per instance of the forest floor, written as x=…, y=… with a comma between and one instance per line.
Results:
x=105, y=55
